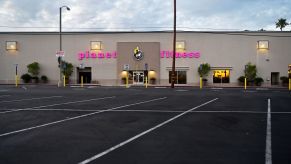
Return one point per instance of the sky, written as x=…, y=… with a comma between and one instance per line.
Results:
x=143, y=15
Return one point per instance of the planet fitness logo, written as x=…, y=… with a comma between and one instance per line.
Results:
x=138, y=54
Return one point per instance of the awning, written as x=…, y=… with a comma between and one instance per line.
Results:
x=221, y=68
x=178, y=68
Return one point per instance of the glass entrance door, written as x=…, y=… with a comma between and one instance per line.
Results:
x=138, y=77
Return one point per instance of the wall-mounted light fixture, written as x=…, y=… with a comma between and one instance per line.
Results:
x=180, y=45
x=152, y=74
x=96, y=45
x=124, y=74
x=263, y=44
x=11, y=45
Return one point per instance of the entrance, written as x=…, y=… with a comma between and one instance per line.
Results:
x=138, y=77
x=85, y=73
x=274, y=78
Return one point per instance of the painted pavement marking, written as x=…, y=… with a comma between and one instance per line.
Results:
x=44, y=106
x=142, y=134
x=39, y=98
x=77, y=117
x=268, y=155
x=4, y=96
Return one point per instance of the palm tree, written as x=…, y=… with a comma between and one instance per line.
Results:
x=282, y=23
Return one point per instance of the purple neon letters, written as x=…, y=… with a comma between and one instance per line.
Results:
x=169, y=54
x=113, y=55
x=99, y=55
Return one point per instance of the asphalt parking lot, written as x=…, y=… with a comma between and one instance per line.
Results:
x=108, y=125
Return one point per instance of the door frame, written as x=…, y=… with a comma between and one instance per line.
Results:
x=138, y=75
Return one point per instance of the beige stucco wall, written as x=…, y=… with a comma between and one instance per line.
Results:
x=218, y=49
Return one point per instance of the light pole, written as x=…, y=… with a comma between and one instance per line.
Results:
x=174, y=50
x=60, y=58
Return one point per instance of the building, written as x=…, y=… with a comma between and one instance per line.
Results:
x=108, y=58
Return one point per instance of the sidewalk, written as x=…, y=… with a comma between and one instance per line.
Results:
x=150, y=86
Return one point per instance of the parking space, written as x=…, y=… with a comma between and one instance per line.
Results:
x=137, y=125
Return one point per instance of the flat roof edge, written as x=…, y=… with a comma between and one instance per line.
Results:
x=98, y=32
x=242, y=33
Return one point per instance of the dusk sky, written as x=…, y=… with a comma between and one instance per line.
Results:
x=143, y=15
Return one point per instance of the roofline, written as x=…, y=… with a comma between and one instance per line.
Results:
x=165, y=31
x=244, y=33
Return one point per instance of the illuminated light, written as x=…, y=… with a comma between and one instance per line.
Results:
x=263, y=44
x=180, y=45
x=95, y=45
x=124, y=74
x=11, y=45
x=152, y=74
x=221, y=73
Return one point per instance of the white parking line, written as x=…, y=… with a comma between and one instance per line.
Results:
x=142, y=134
x=156, y=111
x=77, y=117
x=4, y=96
x=181, y=90
x=216, y=88
x=30, y=99
x=268, y=155
x=71, y=102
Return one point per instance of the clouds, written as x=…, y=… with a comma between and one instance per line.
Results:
x=110, y=15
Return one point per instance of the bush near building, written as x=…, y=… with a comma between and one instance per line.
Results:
x=284, y=80
x=67, y=70
x=250, y=72
x=258, y=81
x=204, y=70
x=44, y=79
x=26, y=78
x=251, y=75
x=33, y=70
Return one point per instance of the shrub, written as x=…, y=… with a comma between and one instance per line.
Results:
x=35, y=79
x=284, y=79
x=67, y=68
x=250, y=72
x=204, y=70
x=33, y=68
x=44, y=79
x=26, y=78
x=123, y=79
x=152, y=80
x=258, y=81
x=241, y=79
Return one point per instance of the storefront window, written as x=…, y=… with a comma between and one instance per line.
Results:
x=221, y=76
x=180, y=77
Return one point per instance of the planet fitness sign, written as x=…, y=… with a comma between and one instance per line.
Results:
x=113, y=55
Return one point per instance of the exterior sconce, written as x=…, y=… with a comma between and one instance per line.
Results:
x=11, y=45
x=124, y=74
x=96, y=45
x=180, y=45
x=263, y=44
x=152, y=74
